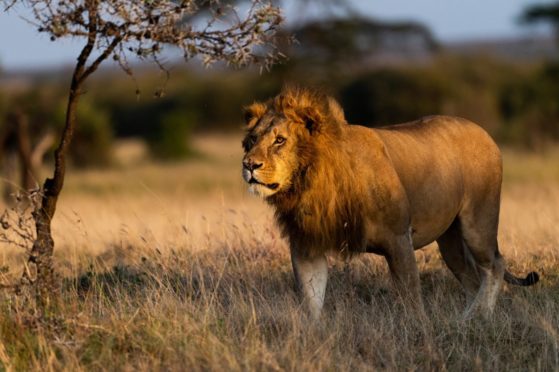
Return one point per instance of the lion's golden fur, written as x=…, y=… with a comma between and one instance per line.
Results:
x=345, y=188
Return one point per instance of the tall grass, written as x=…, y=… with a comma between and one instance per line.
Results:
x=161, y=273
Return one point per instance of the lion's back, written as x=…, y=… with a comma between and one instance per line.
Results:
x=446, y=141
x=442, y=162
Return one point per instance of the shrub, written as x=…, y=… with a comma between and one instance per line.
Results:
x=530, y=107
x=93, y=139
x=391, y=96
x=171, y=137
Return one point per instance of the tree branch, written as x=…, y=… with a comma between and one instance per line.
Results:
x=106, y=53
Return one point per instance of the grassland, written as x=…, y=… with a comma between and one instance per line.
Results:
x=175, y=267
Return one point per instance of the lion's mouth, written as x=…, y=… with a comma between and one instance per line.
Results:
x=271, y=186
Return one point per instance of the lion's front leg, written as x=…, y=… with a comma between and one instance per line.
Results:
x=311, y=274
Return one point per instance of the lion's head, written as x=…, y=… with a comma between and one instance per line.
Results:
x=282, y=136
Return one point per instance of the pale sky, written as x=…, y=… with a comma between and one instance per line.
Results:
x=21, y=47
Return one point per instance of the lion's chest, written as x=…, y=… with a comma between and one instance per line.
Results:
x=333, y=231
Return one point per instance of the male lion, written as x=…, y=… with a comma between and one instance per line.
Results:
x=345, y=188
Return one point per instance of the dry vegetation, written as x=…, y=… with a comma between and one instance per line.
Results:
x=176, y=267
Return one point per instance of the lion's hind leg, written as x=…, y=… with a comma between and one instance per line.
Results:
x=459, y=260
x=479, y=231
x=491, y=283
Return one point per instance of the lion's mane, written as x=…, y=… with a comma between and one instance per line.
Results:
x=322, y=211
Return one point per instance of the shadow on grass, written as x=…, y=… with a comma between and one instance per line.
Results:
x=227, y=274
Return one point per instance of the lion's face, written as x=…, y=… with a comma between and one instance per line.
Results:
x=283, y=135
x=271, y=154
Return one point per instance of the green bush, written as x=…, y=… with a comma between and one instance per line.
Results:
x=389, y=96
x=171, y=137
x=93, y=139
x=530, y=107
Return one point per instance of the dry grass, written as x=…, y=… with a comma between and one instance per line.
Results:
x=175, y=267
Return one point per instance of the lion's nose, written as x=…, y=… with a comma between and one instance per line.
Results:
x=251, y=165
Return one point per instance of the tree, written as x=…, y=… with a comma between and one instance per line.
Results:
x=115, y=28
x=543, y=13
x=358, y=38
x=15, y=142
x=335, y=45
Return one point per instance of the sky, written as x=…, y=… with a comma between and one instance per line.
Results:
x=21, y=47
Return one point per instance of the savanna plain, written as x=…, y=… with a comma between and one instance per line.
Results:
x=176, y=267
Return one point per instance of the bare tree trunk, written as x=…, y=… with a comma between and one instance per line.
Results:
x=8, y=159
x=28, y=173
x=41, y=253
x=40, y=149
x=9, y=172
x=17, y=152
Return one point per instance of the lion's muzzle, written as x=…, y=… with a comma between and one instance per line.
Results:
x=251, y=164
x=256, y=185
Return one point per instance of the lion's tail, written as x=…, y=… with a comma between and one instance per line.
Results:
x=531, y=279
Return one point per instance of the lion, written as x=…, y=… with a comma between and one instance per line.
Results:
x=346, y=189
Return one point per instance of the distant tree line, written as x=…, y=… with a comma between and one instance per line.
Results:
x=517, y=104
x=349, y=57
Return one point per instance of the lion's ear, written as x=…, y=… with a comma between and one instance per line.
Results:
x=253, y=113
x=312, y=118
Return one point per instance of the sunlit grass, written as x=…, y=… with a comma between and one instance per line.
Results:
x=175, y=267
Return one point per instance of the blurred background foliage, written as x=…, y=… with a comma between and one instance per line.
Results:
x=93, y=139
x=381, y=72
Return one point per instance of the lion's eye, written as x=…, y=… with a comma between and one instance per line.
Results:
x=279, y=140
